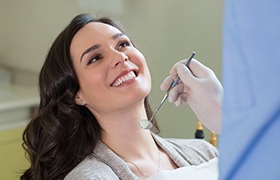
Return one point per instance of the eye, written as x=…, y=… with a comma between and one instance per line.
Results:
x=94, y=59
x=123, y=44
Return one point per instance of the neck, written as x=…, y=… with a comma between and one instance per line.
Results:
x=123, y=134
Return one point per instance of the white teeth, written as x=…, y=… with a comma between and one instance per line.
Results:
x=124, y=78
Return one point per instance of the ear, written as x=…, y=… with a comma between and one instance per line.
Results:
x=79, y=100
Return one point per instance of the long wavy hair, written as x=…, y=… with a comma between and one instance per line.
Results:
x=61, y=133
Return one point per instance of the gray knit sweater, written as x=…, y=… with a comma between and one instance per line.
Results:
x=103, y=163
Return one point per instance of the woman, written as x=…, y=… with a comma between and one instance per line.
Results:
x=94, y=88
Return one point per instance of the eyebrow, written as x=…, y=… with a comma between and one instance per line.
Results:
x=97, y=46
x=116, y=36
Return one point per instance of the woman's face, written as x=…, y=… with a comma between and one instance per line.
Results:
x=112, y=73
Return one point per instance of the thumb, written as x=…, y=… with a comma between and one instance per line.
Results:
x=198, y=69
x=185, y=75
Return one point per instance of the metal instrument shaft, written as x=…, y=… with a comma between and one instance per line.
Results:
x=174, y=83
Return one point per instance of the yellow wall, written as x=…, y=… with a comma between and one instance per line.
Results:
x=12, y=157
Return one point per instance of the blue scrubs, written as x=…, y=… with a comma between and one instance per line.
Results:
x=250, y=140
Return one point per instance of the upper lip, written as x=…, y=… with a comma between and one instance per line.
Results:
x=124, y=72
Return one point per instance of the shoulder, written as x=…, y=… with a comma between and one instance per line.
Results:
x=91, y=168
x=199, y=150
x=197, y=144
x=187, y=151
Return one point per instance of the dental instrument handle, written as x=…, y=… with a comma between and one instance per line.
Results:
x=147, y=124
x=174, y=83
x=176, y=80
x=161, y=103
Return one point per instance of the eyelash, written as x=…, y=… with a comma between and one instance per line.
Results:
x=94, y=59
x=97, y=57
x=124, y=44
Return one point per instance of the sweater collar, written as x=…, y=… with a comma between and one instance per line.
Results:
x=110, y=158
x=120, y=168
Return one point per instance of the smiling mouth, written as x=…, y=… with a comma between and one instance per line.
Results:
x=127, y=77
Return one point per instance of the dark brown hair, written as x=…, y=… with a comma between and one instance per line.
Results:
x=61, y=134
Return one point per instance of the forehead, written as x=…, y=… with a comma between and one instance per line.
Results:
x=96, y=29
x=90, y=34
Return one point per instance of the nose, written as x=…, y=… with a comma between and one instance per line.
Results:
x=119, y=58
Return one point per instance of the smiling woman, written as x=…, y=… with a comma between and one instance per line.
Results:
x=64, y=130
x=94, y=88
x=112, y=61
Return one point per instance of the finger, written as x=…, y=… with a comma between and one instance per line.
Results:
x=186, y=75
x=175, y=92
x=179, y=101
x=198, y=69
x=173, y=70
x=183, y=97
x=166, y=83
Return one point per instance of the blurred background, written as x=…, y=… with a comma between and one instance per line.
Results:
x=165, y=31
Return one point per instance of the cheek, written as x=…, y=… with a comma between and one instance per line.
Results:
x=139, y=60
x=95, y=94
x=91, y=85
x=146, y=84
x=143, y=64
